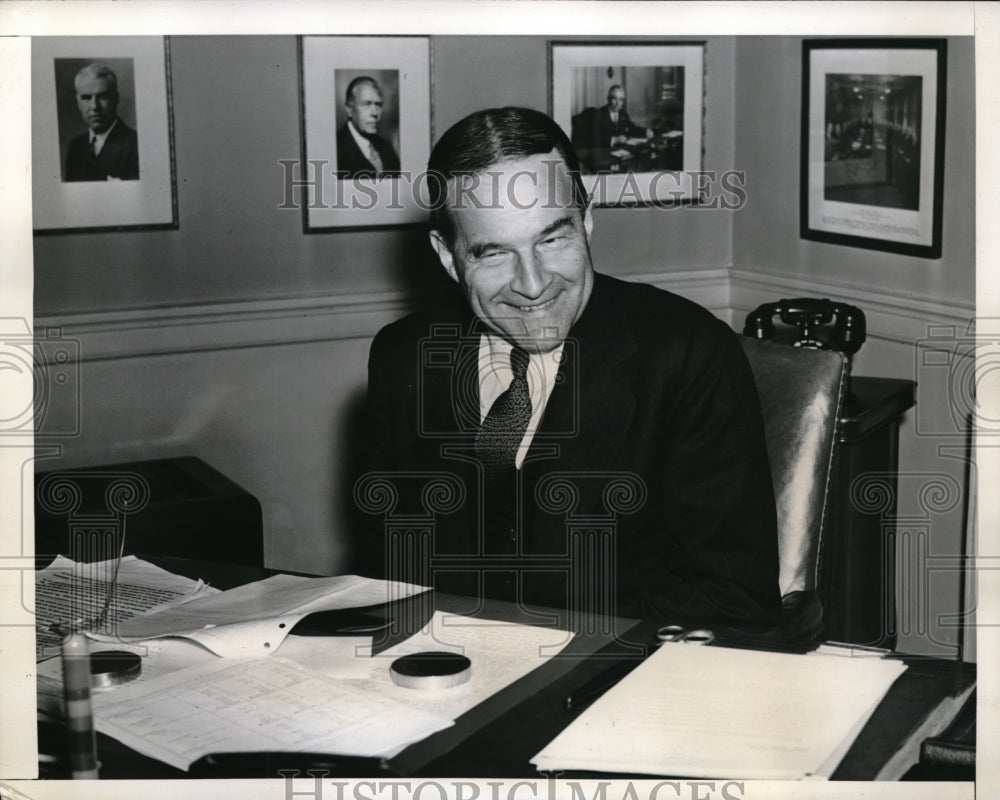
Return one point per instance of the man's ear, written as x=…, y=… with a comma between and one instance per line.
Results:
x=588, y=221
x=444, y=255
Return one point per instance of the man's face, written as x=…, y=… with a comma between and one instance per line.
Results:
x=365, y=109
x=521, y=250
x=97, y=101
x=616, y=100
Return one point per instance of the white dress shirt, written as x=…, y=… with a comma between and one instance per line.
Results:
x=364, y=145
x=97, y=139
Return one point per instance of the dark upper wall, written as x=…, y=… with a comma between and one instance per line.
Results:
x=766, y=230
x=236, y=114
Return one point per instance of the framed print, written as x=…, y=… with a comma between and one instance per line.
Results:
x=102, y=134
x=872, y=171
x=366, y=130
x=634, y=114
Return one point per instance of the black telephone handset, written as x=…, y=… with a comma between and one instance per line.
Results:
x=807, y=313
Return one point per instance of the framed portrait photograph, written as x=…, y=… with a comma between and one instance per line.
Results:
x=102, y=134
x=872, y=172
x=634, y=114
x=366, y=130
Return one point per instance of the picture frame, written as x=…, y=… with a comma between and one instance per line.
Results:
x=651, y=154
x=347, y=190
x=129, y=181
x=873, y=135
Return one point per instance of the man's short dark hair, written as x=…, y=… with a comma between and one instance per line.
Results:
x=484, y=139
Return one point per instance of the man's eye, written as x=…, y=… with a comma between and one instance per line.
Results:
x=553, y=241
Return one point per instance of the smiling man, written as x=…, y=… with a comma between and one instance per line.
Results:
x=109, y=149
x=602, y=440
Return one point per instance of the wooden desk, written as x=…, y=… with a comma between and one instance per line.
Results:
x=499, y=736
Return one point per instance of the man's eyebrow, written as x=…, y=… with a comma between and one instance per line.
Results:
x=480, y=249
x=559, y=224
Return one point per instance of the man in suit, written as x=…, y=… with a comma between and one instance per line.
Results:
x=109, y=149
x=609, y=125
x=361, y=152
x=579, y=441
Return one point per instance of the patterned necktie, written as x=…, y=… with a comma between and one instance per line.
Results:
x=505, y=424
x=374, y=157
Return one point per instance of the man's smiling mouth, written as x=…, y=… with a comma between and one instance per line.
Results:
x=536, y=307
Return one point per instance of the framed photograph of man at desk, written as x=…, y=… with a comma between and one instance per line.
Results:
x=366, y=130
x=102, y=134
x=872, y=172
x=634, y=114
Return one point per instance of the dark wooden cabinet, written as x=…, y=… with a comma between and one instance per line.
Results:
x=857, y=560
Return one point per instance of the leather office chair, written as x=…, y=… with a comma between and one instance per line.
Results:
x=801, y=392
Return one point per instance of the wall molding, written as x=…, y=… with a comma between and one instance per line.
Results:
x=893, y=316
x=210, y=327
x=729, y=293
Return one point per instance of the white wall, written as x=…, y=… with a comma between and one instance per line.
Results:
x=907, y=300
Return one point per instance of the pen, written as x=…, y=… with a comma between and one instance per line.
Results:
x=592, y=689
x=79, y=717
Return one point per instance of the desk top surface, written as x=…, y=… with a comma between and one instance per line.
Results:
x=499, y=736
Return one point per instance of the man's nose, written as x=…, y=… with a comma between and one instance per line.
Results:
x=529, y=277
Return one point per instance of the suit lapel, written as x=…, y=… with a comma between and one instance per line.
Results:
x=592, y=402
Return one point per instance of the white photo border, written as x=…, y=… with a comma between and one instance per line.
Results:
x=907, y=232
x=333, y=204
x=146, y=204
x=637, y=189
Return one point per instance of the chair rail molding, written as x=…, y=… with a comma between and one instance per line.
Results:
x=894, y=316
x=730, y=293
x=140, y=333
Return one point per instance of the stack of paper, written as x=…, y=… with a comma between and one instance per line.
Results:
x=254, y=619
x=251, y=705
x=715, y=712
x=277, y=704
x=68, y=594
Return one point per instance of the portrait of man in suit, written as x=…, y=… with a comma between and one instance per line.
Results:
x=361, y=150
x=109, y=148
x=542, y=372
x=609, y=125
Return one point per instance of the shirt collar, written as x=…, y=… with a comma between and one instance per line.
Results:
x=364, y=144
x=98, y=138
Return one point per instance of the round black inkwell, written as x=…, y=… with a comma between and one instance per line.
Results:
x=430, y=670
x=113, y=668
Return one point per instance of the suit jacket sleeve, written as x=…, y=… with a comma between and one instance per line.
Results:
x=628, y=127
x=723, y=560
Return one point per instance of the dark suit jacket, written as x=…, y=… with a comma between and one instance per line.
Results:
x=593, y=127
x=351, y=160
x=119, y=158
x=656, y=398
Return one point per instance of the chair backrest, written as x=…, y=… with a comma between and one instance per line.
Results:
x=801, y=393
